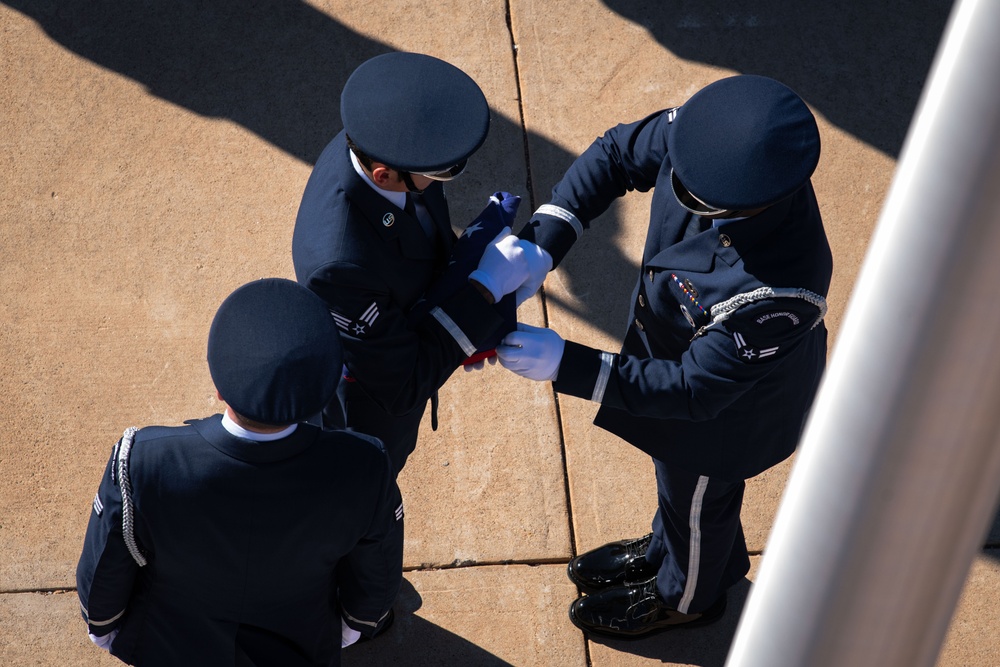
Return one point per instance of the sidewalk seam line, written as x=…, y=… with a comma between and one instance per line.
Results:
x=541, y=296
x=520, y=108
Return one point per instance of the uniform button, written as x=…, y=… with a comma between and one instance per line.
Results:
x=651, y=275
x=642, y=301
x=638, y=325
x=725, y=240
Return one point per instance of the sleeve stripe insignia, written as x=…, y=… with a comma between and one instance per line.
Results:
x=371, y=314
x=98, y=505
x=564, y=215
x=399, y=512
x=358, y=327
x=453, y=329
x=342, y=322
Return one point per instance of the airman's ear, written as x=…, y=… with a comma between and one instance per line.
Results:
x=382, y=175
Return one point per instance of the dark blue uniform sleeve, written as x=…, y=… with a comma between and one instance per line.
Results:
x=106, y=571
x=628, y=157
x=464, y=259
x=400, y=363
x=717, y=369
x=368, y=579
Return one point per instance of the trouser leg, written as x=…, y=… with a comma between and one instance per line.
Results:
x=697, y=538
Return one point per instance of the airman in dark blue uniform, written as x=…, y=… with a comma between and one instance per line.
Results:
x=373, y=235
x=726, y=342
x=248, y=538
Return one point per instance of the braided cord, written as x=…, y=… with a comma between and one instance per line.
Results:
x=128, y=509
x=722, y=311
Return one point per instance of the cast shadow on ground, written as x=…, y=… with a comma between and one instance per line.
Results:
x=276, y=68
x=862, y=65
x=413, y=641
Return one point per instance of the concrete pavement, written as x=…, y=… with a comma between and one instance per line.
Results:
x=153, y=157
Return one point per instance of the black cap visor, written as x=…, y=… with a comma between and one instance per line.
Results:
x=689, y=201
x=445, y=175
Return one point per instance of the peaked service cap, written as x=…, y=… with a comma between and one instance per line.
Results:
x=414, y=112
x=743, y=142
x=274, y=352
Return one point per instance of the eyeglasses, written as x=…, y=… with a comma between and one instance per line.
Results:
x=445, y=175
x=689, y=201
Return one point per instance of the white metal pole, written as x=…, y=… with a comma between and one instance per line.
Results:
x=898, y=473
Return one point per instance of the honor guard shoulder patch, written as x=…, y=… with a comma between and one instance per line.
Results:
x=773, y=317
x=360, y=326
x=760, y=333
x=763, y=330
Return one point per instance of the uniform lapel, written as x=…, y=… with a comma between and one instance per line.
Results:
x=743, y=235
x=728, y=242
x=693, y=254
x=393, y=224
x=437, y=206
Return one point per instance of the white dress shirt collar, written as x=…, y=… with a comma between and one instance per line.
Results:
x=397, y=198
x=235, y=429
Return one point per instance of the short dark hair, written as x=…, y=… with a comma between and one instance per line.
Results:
x=363, y=157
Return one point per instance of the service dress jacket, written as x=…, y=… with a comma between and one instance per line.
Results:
x=371, y=262
x=253, y=550
x=725, y=344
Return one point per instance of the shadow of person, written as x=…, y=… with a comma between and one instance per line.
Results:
x=416, y=642
x=705, y=647
x=862, y=65
x=276, y=67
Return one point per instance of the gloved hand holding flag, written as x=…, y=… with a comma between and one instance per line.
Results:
x=465, y=256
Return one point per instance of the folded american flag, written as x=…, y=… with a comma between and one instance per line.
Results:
x=465, y=256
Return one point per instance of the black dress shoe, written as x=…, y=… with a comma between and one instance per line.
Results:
x=614, y=564
x=636, y=611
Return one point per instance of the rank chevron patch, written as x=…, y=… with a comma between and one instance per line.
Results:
x=357, y=327
x=748, y=353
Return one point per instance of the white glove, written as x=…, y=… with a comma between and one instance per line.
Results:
x=532, y=352
x=479, y=365
x=348, y=635
x=503, y=266
x=104, y=641
x=539, y=265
